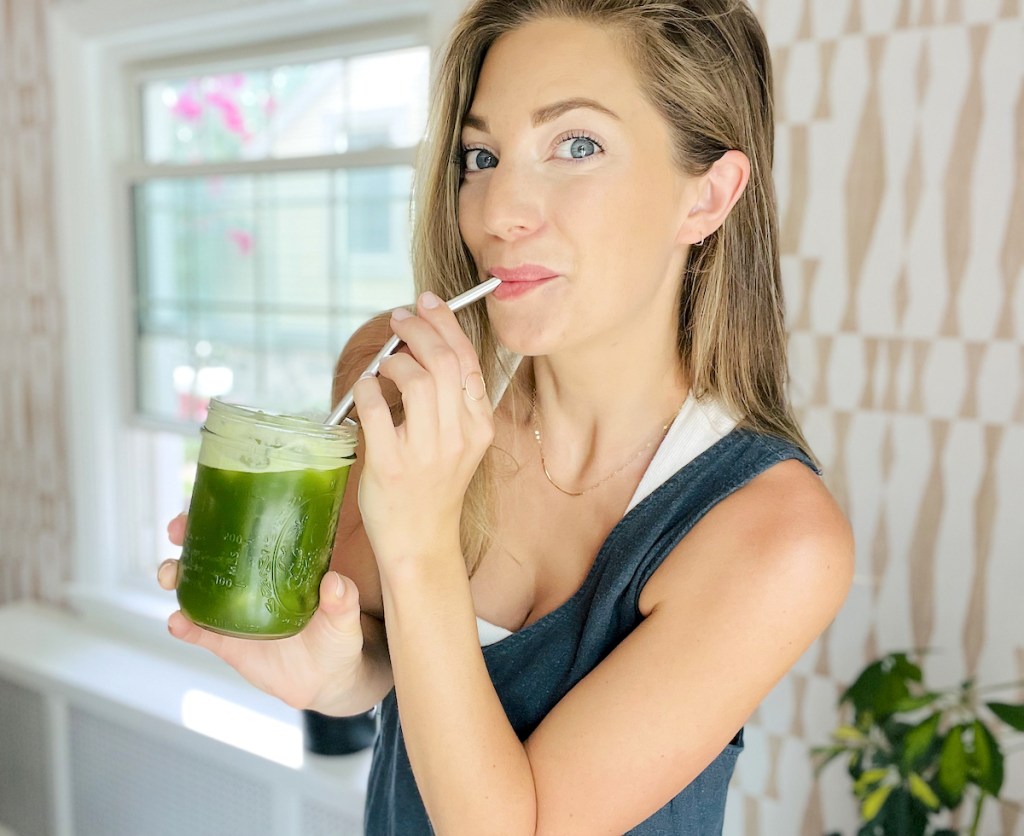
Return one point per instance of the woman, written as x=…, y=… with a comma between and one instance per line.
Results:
x=637, y=520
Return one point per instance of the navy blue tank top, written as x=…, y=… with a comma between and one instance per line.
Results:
x=532, y=669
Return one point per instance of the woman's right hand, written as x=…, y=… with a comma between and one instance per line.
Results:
x=317, y=668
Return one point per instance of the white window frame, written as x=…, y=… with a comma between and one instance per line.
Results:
x=99, y=46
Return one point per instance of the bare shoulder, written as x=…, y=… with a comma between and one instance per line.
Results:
x=782, y=533
x=729, y=611
x=792, y=511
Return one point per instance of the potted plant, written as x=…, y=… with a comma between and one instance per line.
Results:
x=913, y=752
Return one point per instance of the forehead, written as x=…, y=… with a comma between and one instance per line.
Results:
x=552, y=59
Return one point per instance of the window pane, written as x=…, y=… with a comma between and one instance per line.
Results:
x=300, y=364
x=185, y=357
x=163, y=258
x=307, y=110
x=249, y=286
x=160, y=392
x=387, y=98
x=158, y=487
x=293, y=241
x=208, y=118
x=288, y=110
x=194, y=239
x=374, y=237
x=222, y=225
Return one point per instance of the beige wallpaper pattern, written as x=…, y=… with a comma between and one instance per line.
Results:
x=901, y=179
x=34, y=498
x=900, y=169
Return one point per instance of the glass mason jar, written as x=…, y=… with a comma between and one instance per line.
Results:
x=262, y=520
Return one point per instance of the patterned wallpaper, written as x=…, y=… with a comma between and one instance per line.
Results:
x=900, y=169
x=901, y=178
x=35, y=531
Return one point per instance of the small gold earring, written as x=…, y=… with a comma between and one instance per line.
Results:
x=700, y=243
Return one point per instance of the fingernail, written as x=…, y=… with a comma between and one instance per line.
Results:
x=366, y=374
x=400, y=314
x=339, y=586
x=429, y=300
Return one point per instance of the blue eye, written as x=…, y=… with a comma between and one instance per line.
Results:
x=477, y=159
x=577, y=148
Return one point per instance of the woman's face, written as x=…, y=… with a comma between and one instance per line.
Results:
x=570, y=194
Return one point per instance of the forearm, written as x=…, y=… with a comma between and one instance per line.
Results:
x=470, y=767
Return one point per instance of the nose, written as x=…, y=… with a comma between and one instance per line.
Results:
x=512, y=204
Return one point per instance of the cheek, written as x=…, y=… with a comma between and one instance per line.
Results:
x=469, y=215
x=619, y=218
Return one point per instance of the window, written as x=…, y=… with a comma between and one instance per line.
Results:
x=269, y=204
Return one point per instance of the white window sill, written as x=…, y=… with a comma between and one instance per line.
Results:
x=172, y=694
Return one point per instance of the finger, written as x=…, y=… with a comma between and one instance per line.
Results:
x=334, y=634
x=420, y=397
x=428, y=345
x=375, y=421
x=474, y=401
x=431, y=342
x=167, y=574
x=176, y=529
x=471, y=380
x=179, y=626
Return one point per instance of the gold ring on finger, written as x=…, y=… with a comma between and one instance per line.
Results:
x=474, y=391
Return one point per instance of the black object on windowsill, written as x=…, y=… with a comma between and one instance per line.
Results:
x=326, y=735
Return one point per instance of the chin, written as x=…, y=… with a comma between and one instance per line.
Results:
x=523, y=348
x=525, y=336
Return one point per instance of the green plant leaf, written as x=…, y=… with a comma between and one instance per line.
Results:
x=914, y=703
x=879, y=688
x=985, y=763
x=919, y=740
x=873, y=803
x=903, y=667
x=922, y=792
x=1012, y=715
x=951, y=778
x=849, y=734
x=868, y=779
x=856, y=763
x=903, y=815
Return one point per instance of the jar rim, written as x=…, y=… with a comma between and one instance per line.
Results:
x=259, y=440
x=279, y=422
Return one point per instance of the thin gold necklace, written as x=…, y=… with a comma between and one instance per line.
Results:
x=536, y=434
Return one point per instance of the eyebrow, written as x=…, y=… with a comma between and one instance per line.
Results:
x=547, y=113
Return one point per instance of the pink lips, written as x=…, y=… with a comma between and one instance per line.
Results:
x=515, y=281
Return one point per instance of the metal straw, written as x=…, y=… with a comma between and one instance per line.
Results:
x=458, y=303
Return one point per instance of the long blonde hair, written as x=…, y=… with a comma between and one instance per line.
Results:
x=705, y=66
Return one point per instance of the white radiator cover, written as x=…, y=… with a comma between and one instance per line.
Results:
x=24, y=792
x=93, y=743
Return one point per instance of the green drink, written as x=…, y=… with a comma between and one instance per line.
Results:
x=262, y=521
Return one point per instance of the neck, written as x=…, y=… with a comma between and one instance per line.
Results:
x=598, y=412
x=617, y=379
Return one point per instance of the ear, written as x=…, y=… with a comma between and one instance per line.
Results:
x=717, y=192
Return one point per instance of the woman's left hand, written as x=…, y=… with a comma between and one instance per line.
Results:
x=415, y=475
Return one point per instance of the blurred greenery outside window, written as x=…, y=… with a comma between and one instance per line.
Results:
x=270, y=209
